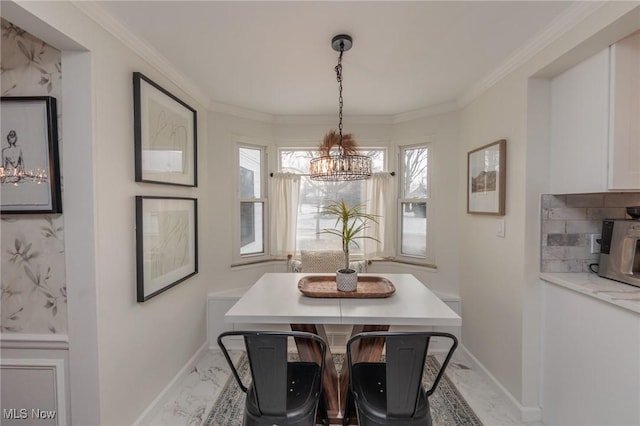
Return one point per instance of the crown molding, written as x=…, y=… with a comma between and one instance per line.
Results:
x=240, y=112
x=558, y=27
x=425, y=112
x=332, y=119
x=149, y=54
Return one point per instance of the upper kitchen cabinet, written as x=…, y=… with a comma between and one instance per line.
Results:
x=579, y=127
x=624, y=129
x=595, y=122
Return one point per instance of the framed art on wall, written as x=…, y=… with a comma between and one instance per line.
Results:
x=30, y=169
x=167, y=243
x=165, y=135
x=486, y=179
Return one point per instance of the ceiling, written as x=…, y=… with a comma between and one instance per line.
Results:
x=276, y=57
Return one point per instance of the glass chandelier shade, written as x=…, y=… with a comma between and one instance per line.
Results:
x=338, y=163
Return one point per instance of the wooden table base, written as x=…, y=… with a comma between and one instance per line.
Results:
x=336, y=385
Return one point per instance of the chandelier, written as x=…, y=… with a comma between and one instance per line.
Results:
x=339, y=159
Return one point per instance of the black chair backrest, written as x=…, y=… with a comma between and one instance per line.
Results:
x=406, y=354
x=268, y=360
x=267, y=353
x=405, y=364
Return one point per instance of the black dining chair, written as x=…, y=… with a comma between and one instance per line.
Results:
x=281, y=392
x=390, y=391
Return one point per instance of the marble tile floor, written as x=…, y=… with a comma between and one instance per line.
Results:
x=191, y=403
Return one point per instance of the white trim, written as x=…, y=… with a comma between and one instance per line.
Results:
x=333, y=119
x=425, y=112
x=172, y=387
x=34, y=341
x=80, y=228
x=525, y=413
x=148, y=53
x=240, y=112
x=55, y=365
x=573, y=15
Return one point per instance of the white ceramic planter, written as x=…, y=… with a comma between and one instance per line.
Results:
x=347, y=279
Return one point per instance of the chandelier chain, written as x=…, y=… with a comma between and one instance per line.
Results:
x=340, y=101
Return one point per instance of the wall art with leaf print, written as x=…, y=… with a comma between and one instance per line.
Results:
x=33, y=288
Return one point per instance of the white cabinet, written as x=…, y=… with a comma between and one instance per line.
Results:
x=624, y=136
x=579, y=127
x=595, y=122
x=590, y=360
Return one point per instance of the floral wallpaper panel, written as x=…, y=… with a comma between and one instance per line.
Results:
x=32, y=270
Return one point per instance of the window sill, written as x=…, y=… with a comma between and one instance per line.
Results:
x=428, y=266
x=254, y=263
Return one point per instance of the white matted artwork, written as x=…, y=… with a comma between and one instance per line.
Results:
x=486, y=179
x=165, y=135
x=167, y=243
x=30, y=171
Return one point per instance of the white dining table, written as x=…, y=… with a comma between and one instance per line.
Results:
x=276, y=299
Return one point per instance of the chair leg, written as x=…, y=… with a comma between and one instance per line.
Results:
x=323, y=411
x=347, y=409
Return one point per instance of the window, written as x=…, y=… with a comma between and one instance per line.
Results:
x=315, y=194
x=414, y=202
x=252, y=207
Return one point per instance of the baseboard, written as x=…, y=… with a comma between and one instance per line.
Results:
x=525, y=413
x=152, y=410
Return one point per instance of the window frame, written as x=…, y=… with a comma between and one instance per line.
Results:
x=429, y=258
x=384, y=149
x=262, y=146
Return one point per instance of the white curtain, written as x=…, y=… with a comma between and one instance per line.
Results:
x=381, y=201
x=284, y=193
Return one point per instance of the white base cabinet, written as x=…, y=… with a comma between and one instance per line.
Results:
x=591, y=360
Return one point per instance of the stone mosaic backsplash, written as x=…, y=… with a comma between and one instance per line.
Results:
x=568, y=222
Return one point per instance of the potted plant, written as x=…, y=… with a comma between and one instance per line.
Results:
x=351, y=221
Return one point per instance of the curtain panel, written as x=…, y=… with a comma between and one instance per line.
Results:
x=284, y=192
x=380, y=201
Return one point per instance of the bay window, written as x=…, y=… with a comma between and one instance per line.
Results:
x=314, y=195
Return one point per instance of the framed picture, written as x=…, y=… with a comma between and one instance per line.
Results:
x=486, y=179
x=30, y=169
x=167, y=243
x=165, y=135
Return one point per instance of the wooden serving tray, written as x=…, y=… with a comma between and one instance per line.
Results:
x=325, y=286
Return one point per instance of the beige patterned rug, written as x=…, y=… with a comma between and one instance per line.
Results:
x=448, y=407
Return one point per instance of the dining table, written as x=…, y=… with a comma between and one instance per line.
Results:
x=276, y=298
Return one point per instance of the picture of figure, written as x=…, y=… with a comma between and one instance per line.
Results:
x=12, y=159
x=30, y=169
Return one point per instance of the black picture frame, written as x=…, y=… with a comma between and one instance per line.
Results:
x=30, y=168
x=165, y=135
x=166, y=243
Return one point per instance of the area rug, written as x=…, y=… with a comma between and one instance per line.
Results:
x=448, y=407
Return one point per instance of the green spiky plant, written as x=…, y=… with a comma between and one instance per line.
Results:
x=351, y=221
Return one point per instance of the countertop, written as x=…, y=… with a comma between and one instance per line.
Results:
x=623, y=295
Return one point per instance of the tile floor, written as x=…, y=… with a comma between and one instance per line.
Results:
x=193, y=400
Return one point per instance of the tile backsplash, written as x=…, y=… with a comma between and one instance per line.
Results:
x=568, y=222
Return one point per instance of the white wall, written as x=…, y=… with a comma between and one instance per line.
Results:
x=141, y=346
x=498, y=275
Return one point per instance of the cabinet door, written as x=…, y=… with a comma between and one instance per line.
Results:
x=579, y=127
x=624, y=130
